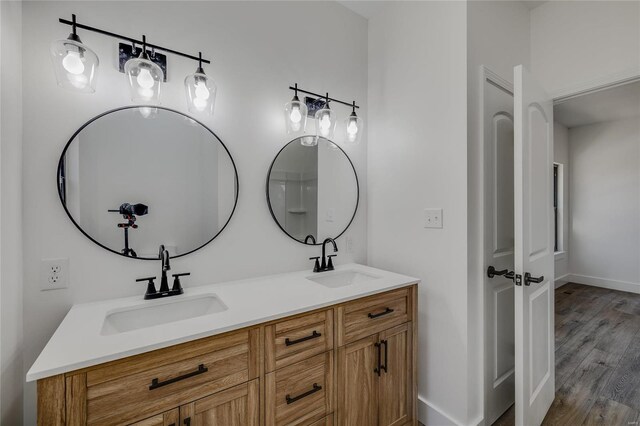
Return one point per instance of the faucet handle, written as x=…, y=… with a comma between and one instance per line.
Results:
x=151, y=286
x=330, y=262
x=176, y=281
x=316, y=267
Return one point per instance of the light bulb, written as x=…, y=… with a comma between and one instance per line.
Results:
x=295, y=115
x=145, y=79
x=199, y=103
x=72, y=63
x=352, y=128
x=201, y=91
x=325, y=124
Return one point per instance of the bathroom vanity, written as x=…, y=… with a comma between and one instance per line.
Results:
x=334, y=348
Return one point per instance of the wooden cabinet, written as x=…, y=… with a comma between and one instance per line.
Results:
x=238, y=406
x=349, y=364
x=169, y=418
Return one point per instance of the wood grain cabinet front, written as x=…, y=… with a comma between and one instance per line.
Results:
x=293, y=340
x=313, y=369
x=169, y=418
x=300, y=393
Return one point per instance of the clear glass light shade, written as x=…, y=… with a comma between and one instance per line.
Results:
x=201, y=93
x=325, y=123
x=75, y=65
x=295, y=116
x=144, y=79
x=353, y=128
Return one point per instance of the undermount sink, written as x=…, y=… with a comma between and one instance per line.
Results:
x=341, y=278
x=161, y=312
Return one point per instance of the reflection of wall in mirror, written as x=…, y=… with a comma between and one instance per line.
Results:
x=165, y=162
x=337, y=191
x=293, y=190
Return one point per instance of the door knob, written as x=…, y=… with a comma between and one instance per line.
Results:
x=528, y=279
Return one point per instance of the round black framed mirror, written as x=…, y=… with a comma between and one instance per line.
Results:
x=136, y=177
x=312, y=190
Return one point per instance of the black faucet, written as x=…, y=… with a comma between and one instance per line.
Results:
x=309, y=237
x=164, y=291
x=327, y=263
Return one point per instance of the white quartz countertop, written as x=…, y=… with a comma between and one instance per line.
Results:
x=79, y=343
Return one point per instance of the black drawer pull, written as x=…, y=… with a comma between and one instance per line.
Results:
x=313, y=335
x=386, y=355
x=385, y=312
x=291, y=400
x=157, y=384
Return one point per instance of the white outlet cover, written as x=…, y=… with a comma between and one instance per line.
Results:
x=433, y=218
x=54, y=274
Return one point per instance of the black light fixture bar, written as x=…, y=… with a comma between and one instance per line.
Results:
x=349, y=104
x=74, y=24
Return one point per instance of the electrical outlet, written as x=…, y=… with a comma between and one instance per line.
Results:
x=433, y=218
x=54, y=274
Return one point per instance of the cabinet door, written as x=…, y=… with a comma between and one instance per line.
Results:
x=238, y=406
x=394, y=387
x=358, y=383
x=169, y=418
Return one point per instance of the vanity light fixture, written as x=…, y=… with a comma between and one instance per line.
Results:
x=144, y=77
x=295, y=114
x=75, y=64
x=353, y=126
x=200, y=90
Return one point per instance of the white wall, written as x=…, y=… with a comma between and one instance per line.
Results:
x=258, y=50
x=11, y=377
x=561, y=156
x=605, y=204
x=574, y=43
x=417, y=160
x=498, y=38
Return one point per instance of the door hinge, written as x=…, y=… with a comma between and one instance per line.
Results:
x=518, y=279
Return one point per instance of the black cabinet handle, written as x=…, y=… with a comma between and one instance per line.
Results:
x=313, y=335
x=528, y=279
x=378, y=369
x=187, y=421
x=385, y=312
x=291, y=400
x=386, y=355
x=155, y=383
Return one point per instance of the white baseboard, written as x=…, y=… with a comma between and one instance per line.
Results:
x=605, y=283
x=562, y=280
x=430, y=415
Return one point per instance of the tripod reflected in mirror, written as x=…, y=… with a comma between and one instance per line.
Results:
x=129, y=213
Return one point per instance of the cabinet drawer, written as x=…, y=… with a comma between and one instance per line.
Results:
x=327, y=421
x=147, y=384
x=364, y=317
x=301, y=393
x=293, y=340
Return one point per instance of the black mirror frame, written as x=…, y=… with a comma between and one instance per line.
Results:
x=355, y=210
x=61, y=164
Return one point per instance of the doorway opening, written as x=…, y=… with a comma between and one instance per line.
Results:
x=596, y=243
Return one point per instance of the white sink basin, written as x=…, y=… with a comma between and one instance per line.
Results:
x=158, y=312
x=341, y=278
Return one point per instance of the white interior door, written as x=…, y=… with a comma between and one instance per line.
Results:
x=534, y=264
x=497, y=133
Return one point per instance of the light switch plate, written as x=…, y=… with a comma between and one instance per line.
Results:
x=433, y=218
x=54, y=274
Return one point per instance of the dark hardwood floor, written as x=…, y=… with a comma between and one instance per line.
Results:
x=597, y=358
